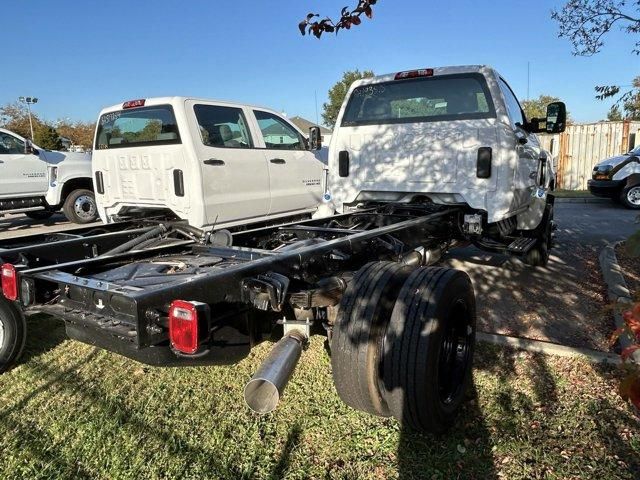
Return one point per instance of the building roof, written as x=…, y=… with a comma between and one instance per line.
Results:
x=304, y=124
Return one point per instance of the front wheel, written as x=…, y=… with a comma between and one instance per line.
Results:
x=13, y=333
x=80, y=206
x=630, y=197
x=538, y=256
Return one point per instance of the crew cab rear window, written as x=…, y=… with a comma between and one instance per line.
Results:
x=443, y=97
x=144, y=126
x=222, y=126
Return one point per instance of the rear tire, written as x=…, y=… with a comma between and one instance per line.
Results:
x=630, y=197
x=80, y=207
x=39, y=214
x=356, y=343
x=13, y=333
x=428, y=349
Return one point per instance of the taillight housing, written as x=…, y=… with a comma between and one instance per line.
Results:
x=9, y=281
x=188, y=325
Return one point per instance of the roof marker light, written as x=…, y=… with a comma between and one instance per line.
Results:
x=425, y=72
x=133, y=103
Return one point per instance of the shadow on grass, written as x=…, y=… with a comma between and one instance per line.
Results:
x=44, y=333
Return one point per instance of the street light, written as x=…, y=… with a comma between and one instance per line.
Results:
x=29, y=101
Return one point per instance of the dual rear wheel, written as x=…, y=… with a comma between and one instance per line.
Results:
x=403, y=343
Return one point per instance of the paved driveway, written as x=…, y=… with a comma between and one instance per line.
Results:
x=16, y=226
x=563, y=303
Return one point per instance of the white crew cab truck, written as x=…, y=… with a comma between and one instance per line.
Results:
x=208, y=162
x=451, y=136
x=39, y=182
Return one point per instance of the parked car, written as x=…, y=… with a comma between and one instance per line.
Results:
x=204, y=161
x=618, y=178
x=39, y=182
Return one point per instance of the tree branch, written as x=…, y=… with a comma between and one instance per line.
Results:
x=347, y=19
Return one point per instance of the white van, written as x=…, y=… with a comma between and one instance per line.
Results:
x=211, y=163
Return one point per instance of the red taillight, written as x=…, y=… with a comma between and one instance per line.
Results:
x=425, y=72
x=9, y=282
x=133, y=103
x=183, y=326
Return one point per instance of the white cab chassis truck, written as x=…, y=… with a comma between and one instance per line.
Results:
x=39, y=182
x=210, y=163
x=449, y=136
x=421, y=160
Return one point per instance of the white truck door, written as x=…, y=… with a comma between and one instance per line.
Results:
x=235, y=177
x=295, y=173
x=20, y=175
x=526, y=145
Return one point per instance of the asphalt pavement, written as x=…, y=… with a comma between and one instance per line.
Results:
x=566, y=301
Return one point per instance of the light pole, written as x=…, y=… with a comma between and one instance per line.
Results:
x=29, y=101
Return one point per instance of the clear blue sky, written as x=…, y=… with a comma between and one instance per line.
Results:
x=79, y=56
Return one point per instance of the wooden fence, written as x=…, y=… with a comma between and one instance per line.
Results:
x=580, y=147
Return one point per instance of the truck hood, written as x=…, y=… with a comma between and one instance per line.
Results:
x=55, y=157
x=613, y=161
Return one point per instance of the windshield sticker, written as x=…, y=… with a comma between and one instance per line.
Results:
x=110, y=117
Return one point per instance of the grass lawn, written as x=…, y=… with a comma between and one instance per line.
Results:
x=71, y=411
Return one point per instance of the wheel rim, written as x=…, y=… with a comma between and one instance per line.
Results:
x=85, y=207
x=455, y=353
x=633, y=195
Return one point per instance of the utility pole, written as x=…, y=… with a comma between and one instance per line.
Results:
x=528, y=79
x=29, y=101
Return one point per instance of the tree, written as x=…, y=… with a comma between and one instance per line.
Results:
x=80, y=133
x=614, y=115
x=46, y=137
x=347, y=19
x=338, y=92
x=586, y=22
x=15, y=118
x=537, y=108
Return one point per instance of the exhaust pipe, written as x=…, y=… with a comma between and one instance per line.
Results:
x=265, y=388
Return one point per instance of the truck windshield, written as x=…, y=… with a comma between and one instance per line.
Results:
x=139, y=126
x=444, y=97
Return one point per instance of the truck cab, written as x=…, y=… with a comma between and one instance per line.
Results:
x=211, y=163
x=39, y=182
x=450, y=136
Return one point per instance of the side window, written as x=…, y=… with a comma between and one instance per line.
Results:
x=277, y=133
x=223, y=127
x=513, y=106
x=10, y=145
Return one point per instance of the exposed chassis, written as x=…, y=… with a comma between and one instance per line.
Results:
x=294, y=272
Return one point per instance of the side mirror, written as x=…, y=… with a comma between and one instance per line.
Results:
x=556, y=117
x=28, y=148
x=315, y=138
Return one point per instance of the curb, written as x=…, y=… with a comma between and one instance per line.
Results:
x=548, y=348
x=618, y=293
x=581, y=200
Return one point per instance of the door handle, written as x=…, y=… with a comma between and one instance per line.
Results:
x=279, y=161
x=214, y=161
